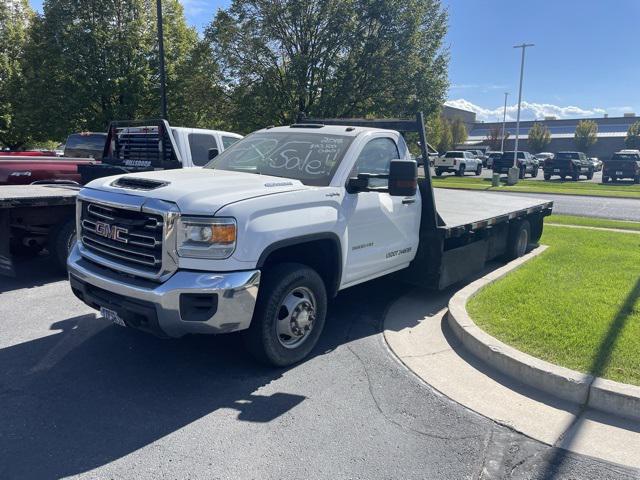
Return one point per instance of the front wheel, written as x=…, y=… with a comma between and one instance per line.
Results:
x=61, y=240
x=289, y=315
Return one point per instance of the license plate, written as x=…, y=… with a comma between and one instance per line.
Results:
x=556, y=170
x=112, y=316
x=618, y=173
x=584, y=169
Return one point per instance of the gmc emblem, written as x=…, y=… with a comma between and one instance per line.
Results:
x=112, y=231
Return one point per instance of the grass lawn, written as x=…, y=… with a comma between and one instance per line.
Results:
x=576, y=305
x=593, y=222
x=628, y=190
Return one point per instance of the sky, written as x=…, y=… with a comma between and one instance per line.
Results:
x=584, y=62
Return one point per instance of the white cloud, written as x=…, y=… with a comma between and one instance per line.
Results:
x=529, y=111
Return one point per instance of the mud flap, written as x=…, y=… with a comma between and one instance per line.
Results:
x=6, y=264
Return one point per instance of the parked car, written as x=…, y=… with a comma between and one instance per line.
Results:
x=492, y=157
x=526, y=163
x=481, y=156
x=568, y=164
x=542, y=156
x=85, y=145
x=623, y=164
x=597, y=163
x=458, y=162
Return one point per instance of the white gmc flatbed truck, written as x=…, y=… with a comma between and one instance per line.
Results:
x=261, y=238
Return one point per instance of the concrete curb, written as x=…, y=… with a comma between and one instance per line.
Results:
x=598, y=393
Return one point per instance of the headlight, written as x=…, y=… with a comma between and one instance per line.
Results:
x=201, y=237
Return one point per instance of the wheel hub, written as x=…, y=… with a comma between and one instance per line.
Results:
x=296, y=316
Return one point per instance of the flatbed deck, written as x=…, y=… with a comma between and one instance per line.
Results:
x=37, y=195
x=463, y=210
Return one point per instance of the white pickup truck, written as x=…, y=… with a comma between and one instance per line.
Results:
x=458, y=162
x=261, y=238
x=143, y=145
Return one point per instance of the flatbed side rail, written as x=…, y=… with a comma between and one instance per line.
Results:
x=543, y=209
x=430, y=218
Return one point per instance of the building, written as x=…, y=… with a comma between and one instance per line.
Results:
x=611, y=134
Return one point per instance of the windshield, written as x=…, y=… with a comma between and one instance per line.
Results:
x=508, y=155
x=311, y=158
x=454, y=155
x=566, y=155
x=626, y=156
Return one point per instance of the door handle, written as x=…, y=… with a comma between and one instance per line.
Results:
x=407, y=201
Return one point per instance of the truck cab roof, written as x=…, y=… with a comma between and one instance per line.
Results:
x=345, y=130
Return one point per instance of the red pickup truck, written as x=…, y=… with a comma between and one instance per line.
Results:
x=80, y=149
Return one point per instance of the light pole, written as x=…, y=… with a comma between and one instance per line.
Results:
x=515, y=153
x=163, y=92
x=504, y=120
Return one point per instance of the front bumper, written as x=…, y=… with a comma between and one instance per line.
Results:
x=188, y=302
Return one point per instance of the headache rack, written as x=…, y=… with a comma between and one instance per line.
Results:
x=135, y=146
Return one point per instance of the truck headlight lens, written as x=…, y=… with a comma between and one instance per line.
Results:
x=201, y=237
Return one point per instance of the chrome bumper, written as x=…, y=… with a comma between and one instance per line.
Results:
x=236, y=297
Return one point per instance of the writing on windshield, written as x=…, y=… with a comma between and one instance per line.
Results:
x=310, y=158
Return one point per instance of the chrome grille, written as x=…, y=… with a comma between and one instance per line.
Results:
x=130, y=238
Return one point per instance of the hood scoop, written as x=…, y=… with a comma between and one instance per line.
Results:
x=134, y=183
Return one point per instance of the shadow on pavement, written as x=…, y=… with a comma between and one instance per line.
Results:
x=31, y=272
x=91, y=393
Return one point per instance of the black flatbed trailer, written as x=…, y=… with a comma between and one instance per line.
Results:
x=33, y=217
x=459, y=230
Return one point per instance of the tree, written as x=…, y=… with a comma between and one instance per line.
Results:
x=632, y=140
x=586, y=135
x=458, y=132
x=539, y=137
x=494, y=139
x=14, y=24
x=446, y=137
x=330, y=58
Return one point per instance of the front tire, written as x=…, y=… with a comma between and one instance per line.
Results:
x=289, y=315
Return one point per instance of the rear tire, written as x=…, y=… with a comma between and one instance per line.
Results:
x=281, y=296
x=547, y=176
x=590, y=175
x=518, y=241
x=479, y=170
x=575, y=177
x=522, y=173
x=605, y=179
x=535, y=172
x=438, y=172
x=460, y=171
x=61, y=240
x=537, y=226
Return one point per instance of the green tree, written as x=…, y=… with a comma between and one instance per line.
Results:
x=586, y=135
x=15, y=18
x=632, y=140
x=446, y=137
x=330, y=58
x=494, y=139
x=458, y=132
x=539, y=137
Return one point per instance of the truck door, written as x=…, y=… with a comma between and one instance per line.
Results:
x=382, y=231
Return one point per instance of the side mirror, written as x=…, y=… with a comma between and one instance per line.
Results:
x=403, y=178
x=213, y=153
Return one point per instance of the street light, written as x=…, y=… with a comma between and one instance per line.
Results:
x=515, y=155
x=504, y=120
x=163, y=88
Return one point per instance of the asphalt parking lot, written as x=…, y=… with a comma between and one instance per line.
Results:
x=82, y=398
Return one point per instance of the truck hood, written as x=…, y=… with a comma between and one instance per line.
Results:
x=197, y=191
